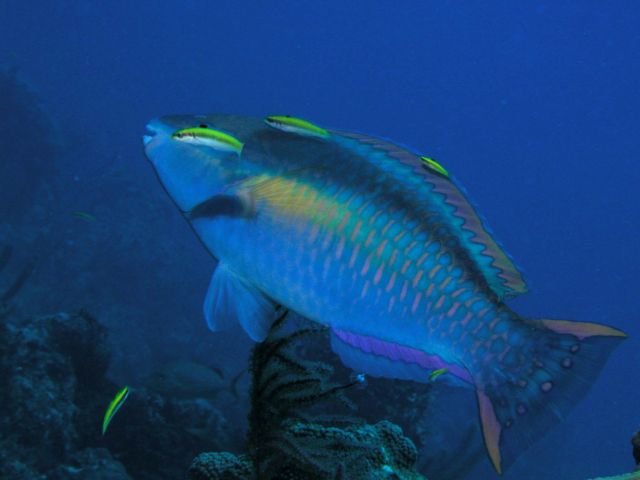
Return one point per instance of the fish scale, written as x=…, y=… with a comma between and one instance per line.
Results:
x=381, y=245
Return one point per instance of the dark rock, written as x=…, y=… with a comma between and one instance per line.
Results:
x=54, y=393
x=90, y=464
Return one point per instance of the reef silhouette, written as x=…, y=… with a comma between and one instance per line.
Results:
x=287, y=438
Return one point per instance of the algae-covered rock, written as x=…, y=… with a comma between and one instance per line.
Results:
x=220, y=466
x=53, y=394
x=355, y=452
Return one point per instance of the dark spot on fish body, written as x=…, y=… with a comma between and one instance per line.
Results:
x=575, y=348
x=567, y=363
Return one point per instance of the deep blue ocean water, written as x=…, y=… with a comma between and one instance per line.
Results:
x=533, y=105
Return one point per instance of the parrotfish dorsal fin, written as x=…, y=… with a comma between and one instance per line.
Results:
x=449, y=201
x=299, y=126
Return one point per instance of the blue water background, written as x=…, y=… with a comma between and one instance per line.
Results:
x=534, y=107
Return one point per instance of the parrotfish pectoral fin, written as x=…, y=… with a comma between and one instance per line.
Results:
x=230, y=300
x=538, y=381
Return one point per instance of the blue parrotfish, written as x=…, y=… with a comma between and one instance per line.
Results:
x=379, y=243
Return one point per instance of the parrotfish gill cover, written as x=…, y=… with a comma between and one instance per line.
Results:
x=381, y=245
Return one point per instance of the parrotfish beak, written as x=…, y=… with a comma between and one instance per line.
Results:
x=157, y=133
x=189, y=173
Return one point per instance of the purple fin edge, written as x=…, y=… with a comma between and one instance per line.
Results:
x=394, y=351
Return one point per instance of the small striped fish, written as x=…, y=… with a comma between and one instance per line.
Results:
x=379, y=243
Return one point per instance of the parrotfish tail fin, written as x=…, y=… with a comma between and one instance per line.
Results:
x=535, y=384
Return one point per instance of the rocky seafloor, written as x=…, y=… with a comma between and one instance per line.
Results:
x=54, y=392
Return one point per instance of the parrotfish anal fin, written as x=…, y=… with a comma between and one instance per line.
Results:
x=231, y=299
x=535, y=385
x=380, y=358
x=221, y=205
x=491, y=429
x=448, y=200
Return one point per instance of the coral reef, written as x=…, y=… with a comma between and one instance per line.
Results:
x=38, y=386
x=53, y=393
x=290, y=438
x=53, y=388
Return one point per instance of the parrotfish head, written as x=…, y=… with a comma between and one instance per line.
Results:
x=195, y=156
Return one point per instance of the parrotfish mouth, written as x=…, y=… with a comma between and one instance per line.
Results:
x=157, y=131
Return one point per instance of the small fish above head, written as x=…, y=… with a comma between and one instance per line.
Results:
x=209, y=137
x=287, y=123
x=435, y=166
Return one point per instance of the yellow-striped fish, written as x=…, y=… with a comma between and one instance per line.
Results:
x=113, y=408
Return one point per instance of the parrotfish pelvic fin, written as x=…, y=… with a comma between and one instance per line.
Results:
x=231, y=299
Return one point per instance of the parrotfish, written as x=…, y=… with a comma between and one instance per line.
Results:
x=380, y=244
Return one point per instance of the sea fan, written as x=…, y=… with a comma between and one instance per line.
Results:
x=283, y=389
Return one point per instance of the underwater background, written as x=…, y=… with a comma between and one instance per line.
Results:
x=532, y=105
